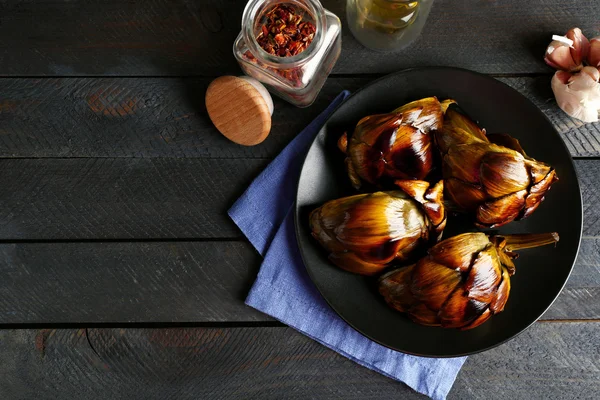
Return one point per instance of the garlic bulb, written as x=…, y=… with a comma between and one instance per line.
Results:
x=575, y=84
x=578, y=94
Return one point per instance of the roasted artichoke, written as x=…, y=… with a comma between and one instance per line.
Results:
x=489, y=175
x=367, y=232
x=462, y=282
x=394, y=146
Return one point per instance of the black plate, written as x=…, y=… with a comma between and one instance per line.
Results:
x=541, y=273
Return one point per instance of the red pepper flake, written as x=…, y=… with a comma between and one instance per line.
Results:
x=284, y=33
x=292, y=75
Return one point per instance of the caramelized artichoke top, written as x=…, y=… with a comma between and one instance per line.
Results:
x=397, y=145
x=365, y=233
x=462, y=281
x=489, y=175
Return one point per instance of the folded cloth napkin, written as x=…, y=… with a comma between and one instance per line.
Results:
x=284, y=290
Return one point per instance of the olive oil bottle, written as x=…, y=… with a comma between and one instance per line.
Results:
x=387, y=25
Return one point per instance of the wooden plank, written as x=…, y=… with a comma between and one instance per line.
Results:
x=133, y=117
x=588, y=173
x=153, y=117
x=180, y=37
x=580, y=298
x=126, y=282
x=550, y=361
x=206, y=282
x=108, y=198
x=153, y=198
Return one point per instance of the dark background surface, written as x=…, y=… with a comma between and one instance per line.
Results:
x=123, y=277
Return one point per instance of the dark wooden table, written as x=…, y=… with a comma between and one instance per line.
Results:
x=121, y=275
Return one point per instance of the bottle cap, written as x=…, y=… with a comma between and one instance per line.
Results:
x=240, y=108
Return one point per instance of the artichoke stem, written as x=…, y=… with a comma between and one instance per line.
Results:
x=529, y=240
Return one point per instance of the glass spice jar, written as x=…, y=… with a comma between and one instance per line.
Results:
x=290, y=46
x=387, y=25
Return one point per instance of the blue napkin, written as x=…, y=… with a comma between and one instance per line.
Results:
x=284, y=290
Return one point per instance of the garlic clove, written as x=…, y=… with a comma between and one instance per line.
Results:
x=580, y=47
x=578, y=94
x=558, y=55
x=594, y=52
x=568, y=52
x=563, y=76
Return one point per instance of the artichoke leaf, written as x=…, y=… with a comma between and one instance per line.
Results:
x=484, y=276
x=495, y=213
x=503, y=173
x=432, y=282
x=457, y=252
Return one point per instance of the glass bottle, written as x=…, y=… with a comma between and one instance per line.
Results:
x=299, y=78
x=387, y=25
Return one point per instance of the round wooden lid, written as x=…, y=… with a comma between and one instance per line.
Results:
x=240, y=109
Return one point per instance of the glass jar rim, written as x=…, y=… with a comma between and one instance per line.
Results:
x=313, y=7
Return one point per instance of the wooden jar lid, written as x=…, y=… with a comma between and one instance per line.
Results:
x=240, y=108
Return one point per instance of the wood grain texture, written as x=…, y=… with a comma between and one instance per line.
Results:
x=155, y=198
x=580, y=298
x=126, y=282
x=550, y=361
x=133, y=117
x=205, y=282
x=182, y=37
x=122, y=158
x=154, y=117
x=588, y=173
x=238, y=110
x=121, y=198
x=582, y=140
